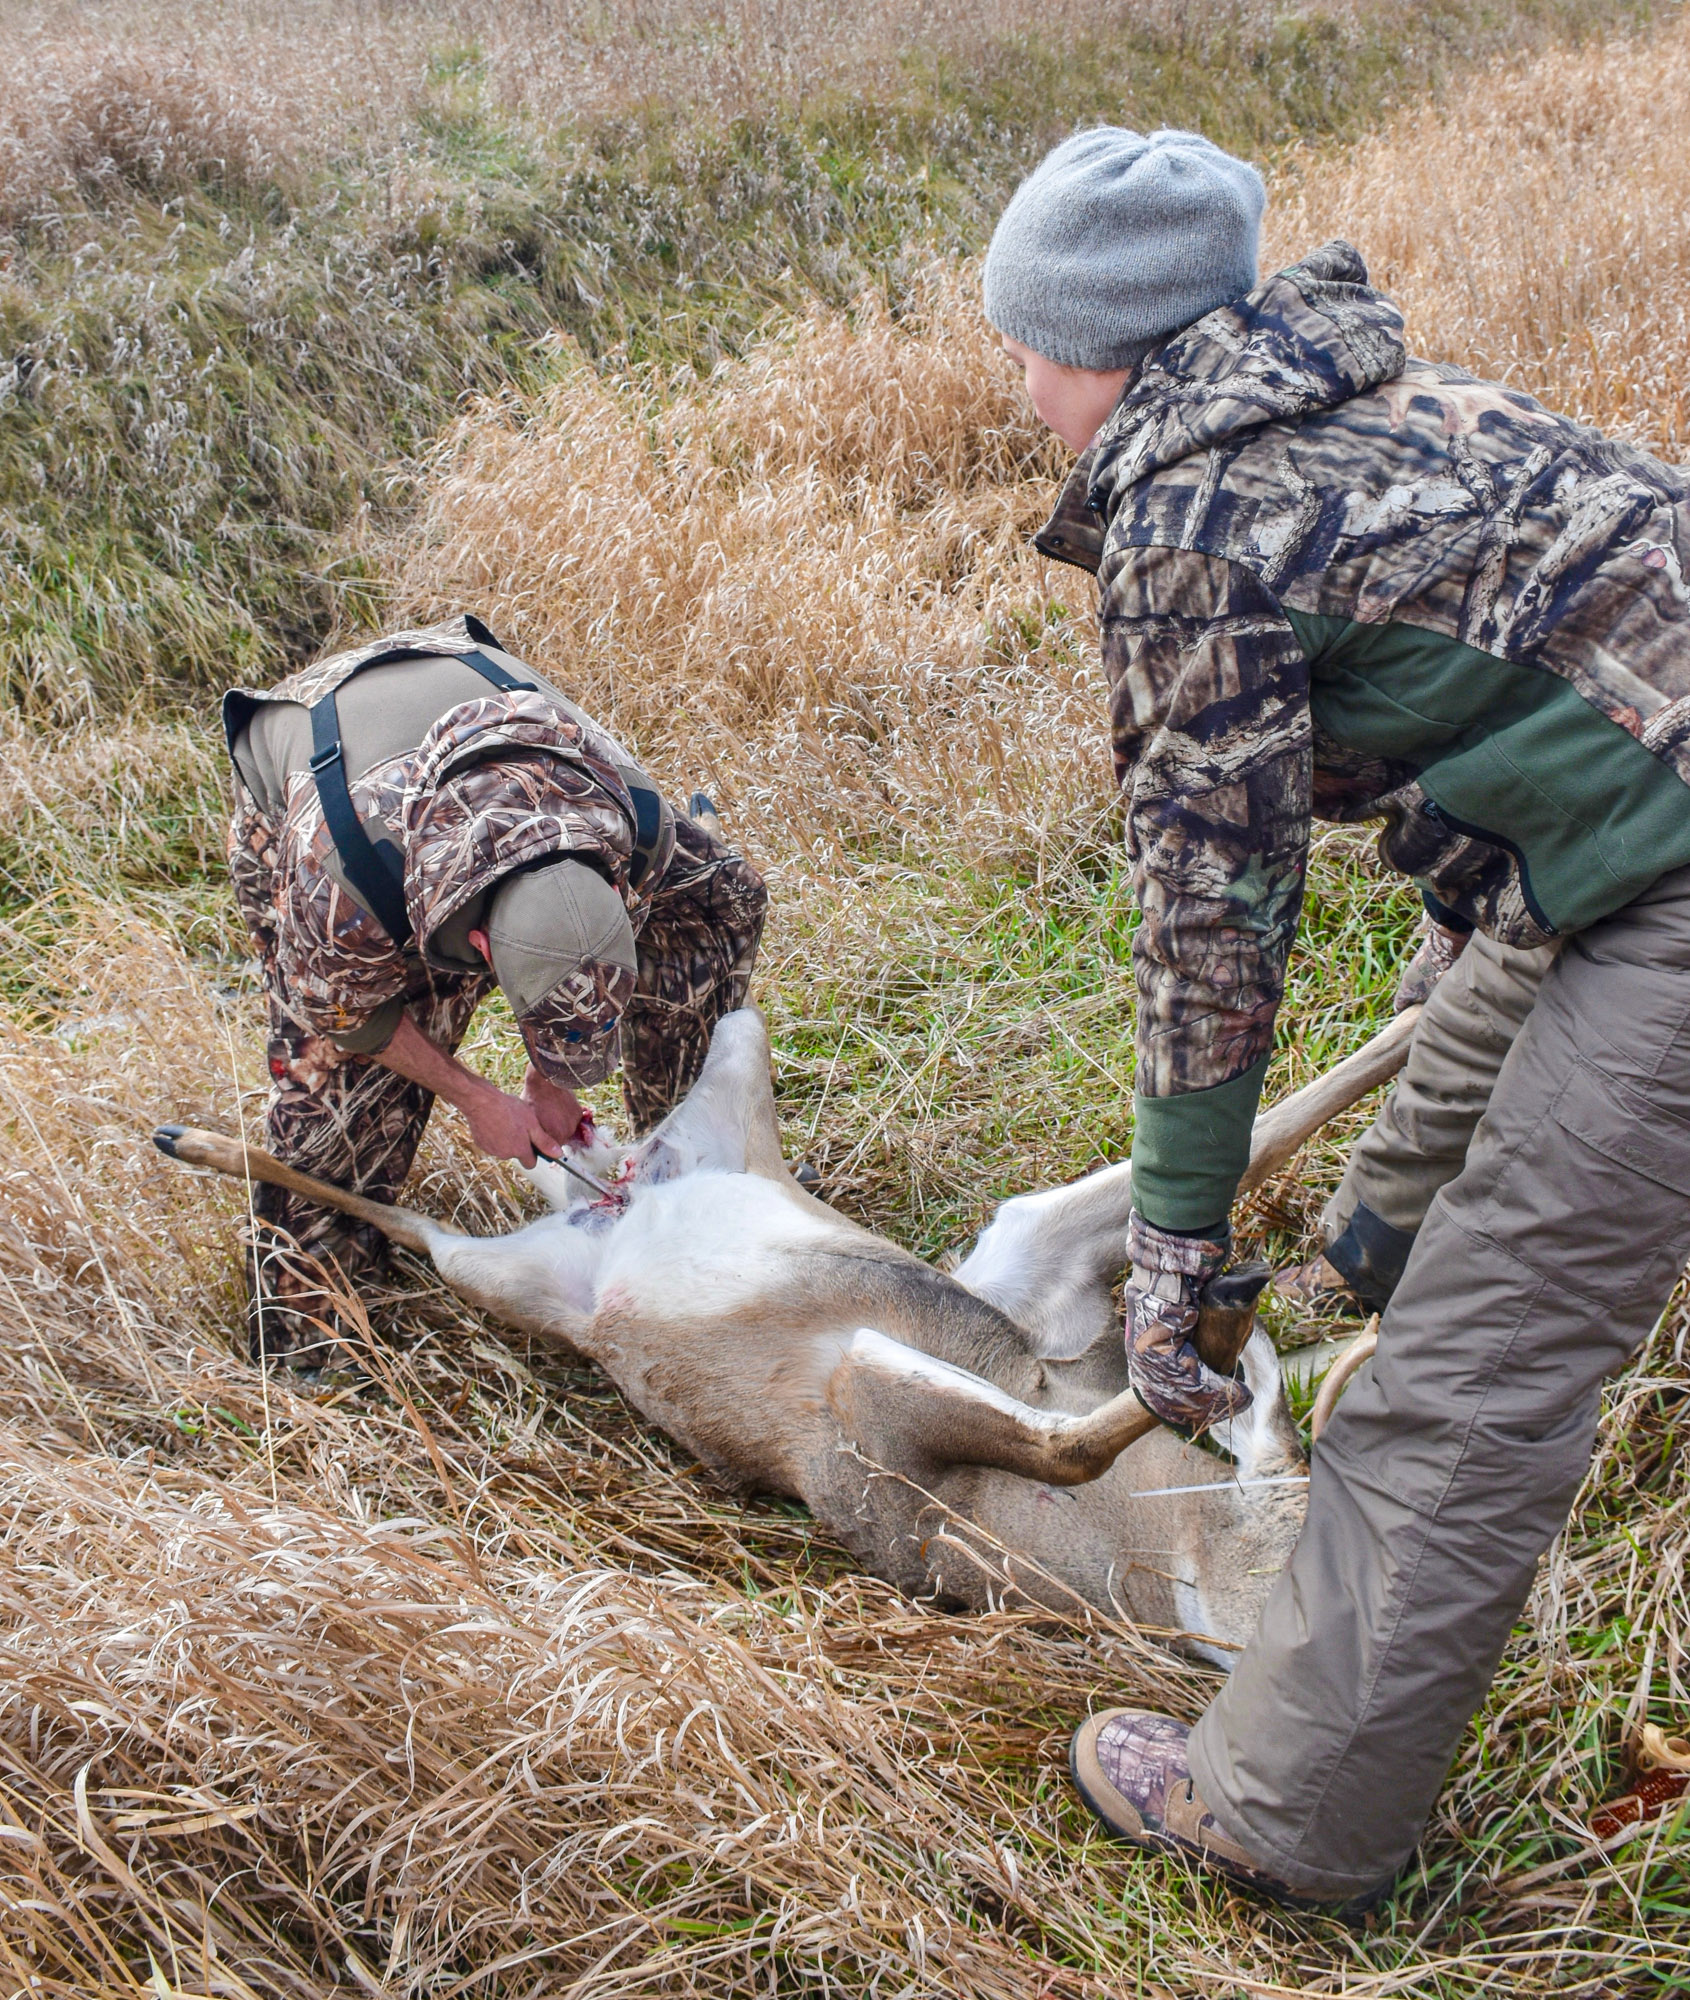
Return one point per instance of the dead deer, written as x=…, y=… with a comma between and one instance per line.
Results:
x=968, y=1437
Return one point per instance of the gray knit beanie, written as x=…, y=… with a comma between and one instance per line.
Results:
x=1117, y=239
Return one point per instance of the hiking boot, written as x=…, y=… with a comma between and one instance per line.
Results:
x=1315, y=1283
x=1130, y=1767
x=1362, y=1265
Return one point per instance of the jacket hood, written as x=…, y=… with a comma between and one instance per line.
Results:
x=1305, y=340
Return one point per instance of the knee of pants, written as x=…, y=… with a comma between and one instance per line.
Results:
x=1500, y=1477
x=1593, y=1196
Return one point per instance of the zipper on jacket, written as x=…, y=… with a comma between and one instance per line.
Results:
x=1442, y=816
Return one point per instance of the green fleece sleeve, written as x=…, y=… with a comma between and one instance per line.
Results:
x=1190, y=1151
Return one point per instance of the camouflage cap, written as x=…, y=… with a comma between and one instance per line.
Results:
x=563, y=952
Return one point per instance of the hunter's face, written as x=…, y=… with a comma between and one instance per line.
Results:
x=1074, y=402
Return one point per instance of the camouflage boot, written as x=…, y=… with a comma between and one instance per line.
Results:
x=1130, y=1767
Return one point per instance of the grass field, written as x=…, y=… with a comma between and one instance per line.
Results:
x=650, y=333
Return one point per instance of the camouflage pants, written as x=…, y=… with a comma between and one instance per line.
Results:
x=696, y=950
x=347, y=1119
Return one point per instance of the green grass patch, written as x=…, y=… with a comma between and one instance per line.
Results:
x=945, y=1038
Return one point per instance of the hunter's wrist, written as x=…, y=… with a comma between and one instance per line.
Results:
x=470, y=1089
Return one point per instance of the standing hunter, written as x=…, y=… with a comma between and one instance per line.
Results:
x=415, y=821
x=1337, y=580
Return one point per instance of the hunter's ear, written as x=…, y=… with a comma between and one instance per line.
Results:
x=481, y=942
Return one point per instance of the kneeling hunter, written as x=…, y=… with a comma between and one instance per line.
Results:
x=414, y=821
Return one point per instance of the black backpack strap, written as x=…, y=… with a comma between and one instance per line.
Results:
x=376, y=872
x=648, y=827
x=490, y=670
x=377, y=869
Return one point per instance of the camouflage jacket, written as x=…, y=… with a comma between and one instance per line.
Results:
x=1337, y=580
x=496, y=784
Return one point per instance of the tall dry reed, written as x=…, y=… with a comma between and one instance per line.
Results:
x=806, y=580
x=810, y=575
x=1536, y=228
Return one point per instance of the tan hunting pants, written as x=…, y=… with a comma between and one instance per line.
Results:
x=1418, y=1143
x=1452, y=1461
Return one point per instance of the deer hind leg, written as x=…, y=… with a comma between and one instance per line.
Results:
x=726, y=1124
x=542, y=1279
x=195, y=1148
x=916, y=1414
x=1049, y=1261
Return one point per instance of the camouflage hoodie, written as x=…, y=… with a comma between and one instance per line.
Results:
x=1337, y=580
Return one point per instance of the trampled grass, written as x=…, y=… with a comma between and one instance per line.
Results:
x=466, y=1682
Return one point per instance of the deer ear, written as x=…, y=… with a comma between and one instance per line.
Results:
x=902, y=1407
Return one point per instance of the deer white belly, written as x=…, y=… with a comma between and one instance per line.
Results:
x=933, y=1424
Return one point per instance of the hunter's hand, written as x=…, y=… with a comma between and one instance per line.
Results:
x=1167, y=1374
x=507, y=1128
x=560, y=1112
x=1439, y=948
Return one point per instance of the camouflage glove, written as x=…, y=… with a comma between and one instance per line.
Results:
x=1163, y=1366
x=1440, y=947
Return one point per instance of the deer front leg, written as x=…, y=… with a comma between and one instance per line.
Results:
x=1049, y=1261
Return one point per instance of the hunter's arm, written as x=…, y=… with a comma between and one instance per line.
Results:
x=1211, y=734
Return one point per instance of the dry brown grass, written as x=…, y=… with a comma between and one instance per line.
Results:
x=444, y=1682
x=1537, y=228
x=806, y=577
x=467, y=1684
x=102, y=91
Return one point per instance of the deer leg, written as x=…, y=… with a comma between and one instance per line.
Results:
x=914, y=1413
x=541, y=1279
x=726, y=1122
x=1049, y=1261
x=229, y=1156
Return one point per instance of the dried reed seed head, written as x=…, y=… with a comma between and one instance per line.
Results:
x=789, y=568
x=1535, y=229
